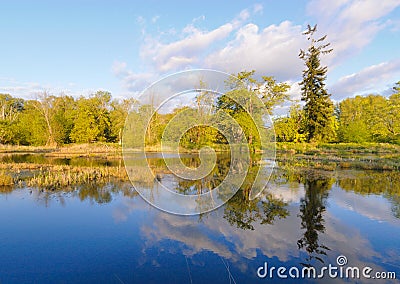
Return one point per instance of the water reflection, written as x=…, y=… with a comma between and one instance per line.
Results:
x=301, y=219
x=395, y=200
x=212, y=180
x=241, y=212
x=69, y=161
x=312, y=209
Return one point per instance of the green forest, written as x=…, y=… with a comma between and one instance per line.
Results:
x=59, y=120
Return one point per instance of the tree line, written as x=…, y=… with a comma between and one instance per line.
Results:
x=58, y=120
x=372, y=118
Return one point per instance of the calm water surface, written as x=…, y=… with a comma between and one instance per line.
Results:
x=109, y=234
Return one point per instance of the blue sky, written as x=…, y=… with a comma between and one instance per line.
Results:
x=78, y=47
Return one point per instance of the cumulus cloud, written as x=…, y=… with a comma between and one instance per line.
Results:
x=272, y=50
x=183, y=52
x=231, y=47
x=366, y=80
x=350, y=24
x=240, y=44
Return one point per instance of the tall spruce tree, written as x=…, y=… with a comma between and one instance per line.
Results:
x=318, y=109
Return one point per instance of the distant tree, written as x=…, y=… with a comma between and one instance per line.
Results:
x=318, y=107
x=32, y=126
x=353, y=120
x=10, y=109
x=45, y=105
x=290, y=128
x=118, y=114
x=202, y=135
x=392, y=121
x=92, y=119
x=63, y=118
x=372, y=118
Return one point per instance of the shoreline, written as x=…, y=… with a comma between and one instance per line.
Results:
x=280, y=147
x=291, y=156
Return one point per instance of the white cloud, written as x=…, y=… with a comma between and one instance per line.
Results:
x=232, y=47
x=350, y=24
x=178, y=54
x=271, y=51
x=367, y=80
x=240, y=45
x=162, y=57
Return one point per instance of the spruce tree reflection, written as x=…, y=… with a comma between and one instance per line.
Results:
x=312, y=208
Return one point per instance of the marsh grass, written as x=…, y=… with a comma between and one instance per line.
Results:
x=291, y=156
x=332, y=162
x=56, y=177
x=366, y=156
x=337, y=148
x=6, y=179
x=71, y=150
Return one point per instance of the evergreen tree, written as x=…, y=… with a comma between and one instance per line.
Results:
x=320, y=122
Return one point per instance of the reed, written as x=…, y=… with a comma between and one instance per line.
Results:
x=333, y=162
x=6, y=179
x=55, y=177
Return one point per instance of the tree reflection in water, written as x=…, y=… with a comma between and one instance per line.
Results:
x=312, y=209
x=242, y=212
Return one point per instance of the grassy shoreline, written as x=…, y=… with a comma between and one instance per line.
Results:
x=281, y=147
x=368, y=156
x=290, y=156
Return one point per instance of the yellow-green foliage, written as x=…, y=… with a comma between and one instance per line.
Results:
x=6, y=179
x=63, y=176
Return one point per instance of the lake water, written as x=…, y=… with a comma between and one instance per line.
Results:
x=109, y=234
